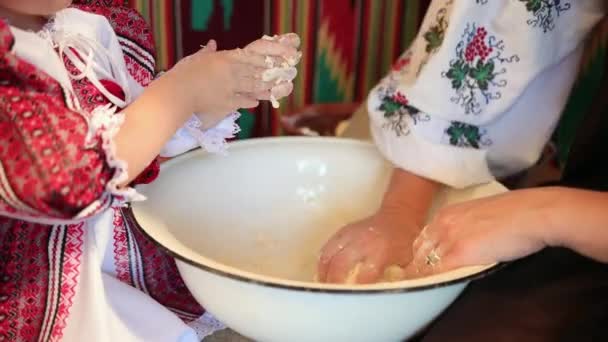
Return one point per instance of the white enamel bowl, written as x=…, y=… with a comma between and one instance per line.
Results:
x=246, y=229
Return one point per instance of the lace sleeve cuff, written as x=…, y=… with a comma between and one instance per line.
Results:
x=105, y=123
x=192, y=135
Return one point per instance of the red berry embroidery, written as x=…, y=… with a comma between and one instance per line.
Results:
x=478, y=47
x=400, y=99
x=401, y=63
x=473, y=73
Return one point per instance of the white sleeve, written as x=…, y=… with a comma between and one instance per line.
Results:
x=192, y=134
x=480, y=90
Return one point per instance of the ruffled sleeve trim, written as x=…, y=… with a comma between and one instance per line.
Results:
x=105, y=123
x=193, y=134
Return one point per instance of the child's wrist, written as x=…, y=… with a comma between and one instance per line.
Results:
x=176, y=92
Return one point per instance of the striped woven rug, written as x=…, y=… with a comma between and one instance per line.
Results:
x=347, y=44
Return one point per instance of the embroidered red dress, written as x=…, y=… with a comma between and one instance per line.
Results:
x=71, y=268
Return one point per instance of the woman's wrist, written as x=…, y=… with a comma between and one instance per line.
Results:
x=578, y=220
x=545, y=220
x=409, y=195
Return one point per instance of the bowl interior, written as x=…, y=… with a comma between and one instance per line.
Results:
x=264, y=211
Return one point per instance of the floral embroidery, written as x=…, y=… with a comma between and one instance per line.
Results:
x=56, y=176
x=545, y=12
x=435, y=34
x=465, y=135
x=396, y=108
x=474, y=73
x=401, y=66
x=402, y=62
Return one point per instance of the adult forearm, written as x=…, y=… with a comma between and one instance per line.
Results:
x=579, y=221
x=410, y=193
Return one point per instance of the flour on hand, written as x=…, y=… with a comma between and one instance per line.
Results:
x=279, y=72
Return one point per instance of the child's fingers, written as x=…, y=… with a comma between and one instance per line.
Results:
x=280, y=74
x=263, y=95
x=272, y=48
x=279, y=91
x=249, y=58
x=274, y=61
x=282, y=90
x=290, y=39
x=268, y=61
x=249, y=85
x=211, y=46
x=241, y=71
x=243, y=100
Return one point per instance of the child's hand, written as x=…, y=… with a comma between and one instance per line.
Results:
x=219, y=82
x=280, y=68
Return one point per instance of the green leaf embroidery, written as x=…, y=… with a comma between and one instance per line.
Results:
x=545, y=12
x=533, y=5
x=472, y=73
x=464, y=135
x=389, y=107
x=397, y=110
x=473, y=137
x=457, y=73
x=434, y=38
x=483, y=73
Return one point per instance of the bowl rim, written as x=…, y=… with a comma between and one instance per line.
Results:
x=300, y=286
